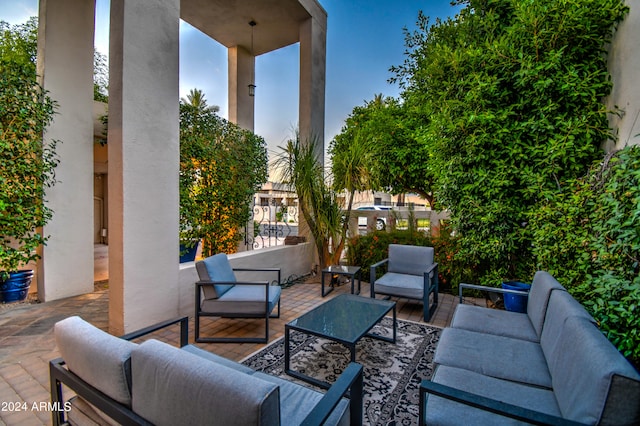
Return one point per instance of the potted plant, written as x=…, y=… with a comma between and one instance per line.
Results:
x=26, y=164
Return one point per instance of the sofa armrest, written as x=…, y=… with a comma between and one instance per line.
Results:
x=349, y=381
x=487, y=404
x=60, y=375
x=184, y=330
x=462, y=286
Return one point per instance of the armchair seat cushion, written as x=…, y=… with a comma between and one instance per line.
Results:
x=496, y=356
x=300, y=400
x=242, y=299
x=442, y=411
x=401, y=285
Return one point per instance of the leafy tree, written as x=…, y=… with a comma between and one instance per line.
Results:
x=221, y=167
x=26, y=163
x=196, y=100
x=100, y=77
x=396, y=161
x=510, y=98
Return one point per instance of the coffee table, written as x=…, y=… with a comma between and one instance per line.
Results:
x=344, y=319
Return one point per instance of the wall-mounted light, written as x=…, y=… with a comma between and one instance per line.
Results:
x=252, y=86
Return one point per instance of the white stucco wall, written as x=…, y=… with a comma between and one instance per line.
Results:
x=624, y=66
x=143, y=162
x=65, y=67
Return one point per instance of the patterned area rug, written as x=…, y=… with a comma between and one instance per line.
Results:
x=392, y=373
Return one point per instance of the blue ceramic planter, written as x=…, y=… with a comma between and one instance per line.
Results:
x=16, y=287
x=515, y=302
x=188, y=254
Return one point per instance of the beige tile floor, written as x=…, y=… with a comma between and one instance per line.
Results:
x=27, y=343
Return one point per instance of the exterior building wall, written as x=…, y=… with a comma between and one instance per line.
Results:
x=143, y=163
x=624, y=63
x=65, y=68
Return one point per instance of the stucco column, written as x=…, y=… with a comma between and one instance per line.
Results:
x=65, y=69
x=624, y=62
x=241, y=70
x=313, y=46
x=143, y=162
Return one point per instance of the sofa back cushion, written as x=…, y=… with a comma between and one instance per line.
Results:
x=541, y=287
x=216, y=268
x=174, y=387
x=98, y=358
x=561, y=306
x=593, y=383
x=412, y=260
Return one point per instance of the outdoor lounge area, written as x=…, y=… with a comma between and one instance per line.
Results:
x=27, y=342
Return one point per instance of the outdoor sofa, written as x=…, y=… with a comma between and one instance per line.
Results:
x=121, y=382
x=550, y=365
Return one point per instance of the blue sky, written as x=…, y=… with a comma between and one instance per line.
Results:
x=364, y=39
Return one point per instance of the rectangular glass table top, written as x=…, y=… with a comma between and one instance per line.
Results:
x=344, y=318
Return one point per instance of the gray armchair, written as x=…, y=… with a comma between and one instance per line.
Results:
x=219, y=294
x=411, y=274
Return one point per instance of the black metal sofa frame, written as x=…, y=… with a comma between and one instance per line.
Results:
x=349, y=384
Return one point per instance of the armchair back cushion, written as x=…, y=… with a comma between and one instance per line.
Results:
x=97, y=357
x=411, y=260
x=216, y=268
x=196, y=391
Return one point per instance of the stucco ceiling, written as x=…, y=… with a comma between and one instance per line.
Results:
x=227, y=21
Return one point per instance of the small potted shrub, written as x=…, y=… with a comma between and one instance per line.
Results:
x=26, y=164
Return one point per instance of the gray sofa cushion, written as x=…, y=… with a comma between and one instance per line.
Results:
x=494, y=321
x=586, y=369
x=413, y=260
x=218, y=359
x=300, y=400
x=245, y=299
x=401, y=285
x=541, y=287
x=173, y=387
x=100, y=359
x=496, y=356
x=561, y=306
x=215, y=268
x=445, y=412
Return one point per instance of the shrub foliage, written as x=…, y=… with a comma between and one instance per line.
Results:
x=510, y=95
x=221, y=167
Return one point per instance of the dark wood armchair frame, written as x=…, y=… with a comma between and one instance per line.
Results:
x=199, y=313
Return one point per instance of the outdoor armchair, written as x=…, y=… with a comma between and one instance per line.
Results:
x=220, y=294
x=411, y=273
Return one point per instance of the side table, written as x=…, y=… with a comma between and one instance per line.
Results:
x=348, y=271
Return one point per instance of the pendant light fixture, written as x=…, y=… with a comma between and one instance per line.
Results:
x=252, y=86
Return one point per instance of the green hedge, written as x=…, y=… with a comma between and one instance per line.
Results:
x=589, y=239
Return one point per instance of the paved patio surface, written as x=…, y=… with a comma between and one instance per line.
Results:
x=27, y=343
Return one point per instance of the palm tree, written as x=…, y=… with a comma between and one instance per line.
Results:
x=301, y=169
x=195, y=99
